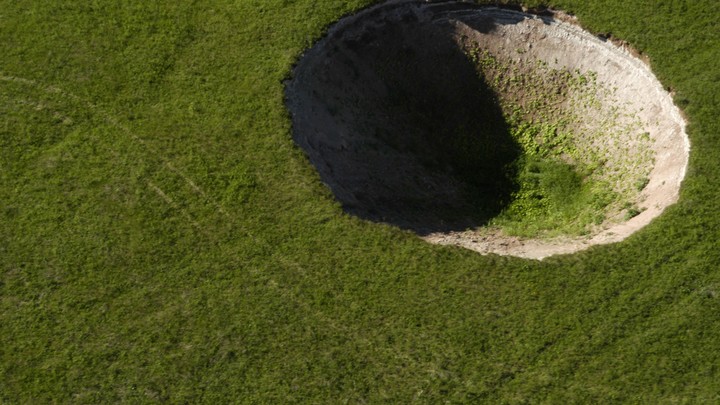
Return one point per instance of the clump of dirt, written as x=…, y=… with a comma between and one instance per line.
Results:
x=492, y=129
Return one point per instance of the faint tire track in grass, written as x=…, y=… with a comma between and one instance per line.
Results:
x=172, y=203
x=214, y=207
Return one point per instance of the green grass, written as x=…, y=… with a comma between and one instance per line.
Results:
x=162, y=239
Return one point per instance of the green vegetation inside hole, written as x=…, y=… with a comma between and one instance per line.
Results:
x=553, y=199
x=562, y=184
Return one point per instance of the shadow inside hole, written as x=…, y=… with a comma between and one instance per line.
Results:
x=401, y=128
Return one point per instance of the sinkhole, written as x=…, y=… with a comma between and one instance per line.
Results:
x=493, y=129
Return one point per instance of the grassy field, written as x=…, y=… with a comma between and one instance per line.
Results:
x=163, y=240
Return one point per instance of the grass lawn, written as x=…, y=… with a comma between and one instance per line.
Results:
x=163, y=240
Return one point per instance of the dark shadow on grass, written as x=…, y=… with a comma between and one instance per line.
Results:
x=400, y=126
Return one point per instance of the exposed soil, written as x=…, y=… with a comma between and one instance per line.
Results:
x=401, y=127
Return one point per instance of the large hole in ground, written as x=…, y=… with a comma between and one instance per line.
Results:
x=491, y=129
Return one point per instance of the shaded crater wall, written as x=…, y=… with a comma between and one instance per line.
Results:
x=399, y=125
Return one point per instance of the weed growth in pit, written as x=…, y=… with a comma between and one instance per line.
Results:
x=583, y=156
